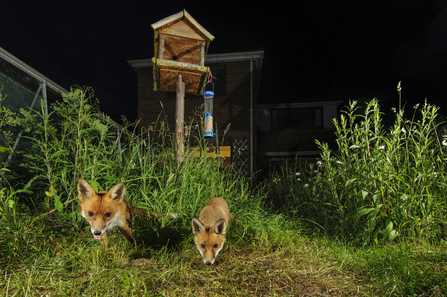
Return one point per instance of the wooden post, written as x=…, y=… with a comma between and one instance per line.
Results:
x=202, y=55
x=161, y=47
x=179, y=121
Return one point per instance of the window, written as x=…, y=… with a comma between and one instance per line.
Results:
x=297, y=118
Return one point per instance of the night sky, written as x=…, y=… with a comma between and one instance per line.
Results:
x=314, y=50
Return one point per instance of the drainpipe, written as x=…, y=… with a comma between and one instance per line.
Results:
x=251, y=117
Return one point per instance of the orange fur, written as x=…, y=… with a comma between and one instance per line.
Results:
x=210, y=229
x=105, y=210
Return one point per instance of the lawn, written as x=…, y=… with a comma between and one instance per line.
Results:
x=369, y=220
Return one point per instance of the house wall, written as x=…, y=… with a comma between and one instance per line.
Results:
x=264, y=112
x=295, y=137
x=231, y=107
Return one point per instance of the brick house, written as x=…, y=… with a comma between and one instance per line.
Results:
x=236, y=85
x=287, y=131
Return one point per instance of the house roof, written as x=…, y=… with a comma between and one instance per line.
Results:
x=30, y=71
x=170, y=21
x=16, y=62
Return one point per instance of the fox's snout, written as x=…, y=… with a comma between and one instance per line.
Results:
x=97, y=234
x=98, y=225
x=209, y=251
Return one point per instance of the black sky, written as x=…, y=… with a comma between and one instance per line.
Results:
x=314, y=50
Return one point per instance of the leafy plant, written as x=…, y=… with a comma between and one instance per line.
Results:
x=382, y=184
x=7, y=119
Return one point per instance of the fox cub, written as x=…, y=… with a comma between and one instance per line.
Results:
x=105, y=210
x=209, y=230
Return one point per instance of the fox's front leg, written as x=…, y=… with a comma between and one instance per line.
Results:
x=106, y=241
x=128, y=234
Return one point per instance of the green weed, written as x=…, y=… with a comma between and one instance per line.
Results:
x=381, y=185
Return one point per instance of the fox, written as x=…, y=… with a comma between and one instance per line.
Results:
x=105, y=210
x=210, y=229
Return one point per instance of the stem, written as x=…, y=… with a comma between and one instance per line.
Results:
x=81, y=101
x=47, y=161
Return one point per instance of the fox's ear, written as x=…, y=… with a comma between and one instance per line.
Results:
x=118, y=191
x=220, y=227
x=85, y=191
x=197, y=227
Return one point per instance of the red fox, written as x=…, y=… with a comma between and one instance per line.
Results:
x=209, y=230
x=105, y=210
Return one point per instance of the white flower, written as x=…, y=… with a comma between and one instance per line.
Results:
x=339, y=162
x=403, y=130
x=444, y=142
x=297, y=174
x=319, y=163
x=381, y=147
x=306, y=185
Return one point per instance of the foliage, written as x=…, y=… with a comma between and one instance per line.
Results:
x=380, y=185
x=75, y=141
x=7, y=119
x=402, y=269
x=384, y=188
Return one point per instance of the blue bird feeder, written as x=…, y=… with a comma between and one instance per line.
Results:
x=208, y=96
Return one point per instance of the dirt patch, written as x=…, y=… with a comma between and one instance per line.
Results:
x=141, y=262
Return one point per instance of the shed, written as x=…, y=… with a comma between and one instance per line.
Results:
x=180, y=46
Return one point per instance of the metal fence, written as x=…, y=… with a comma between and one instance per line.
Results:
x=241, y=157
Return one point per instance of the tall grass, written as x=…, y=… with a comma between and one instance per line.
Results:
x=381, y=183
x=72, y=142
x=379, y=201
x=7, y=120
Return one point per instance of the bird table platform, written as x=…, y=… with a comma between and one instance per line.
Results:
x=225, y=154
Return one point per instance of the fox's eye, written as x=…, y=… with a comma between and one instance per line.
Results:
x=108, y=214
x=203, y=246
x=90, y=214
x=215, y=246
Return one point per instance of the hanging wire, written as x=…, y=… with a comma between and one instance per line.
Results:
x=210, y=76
